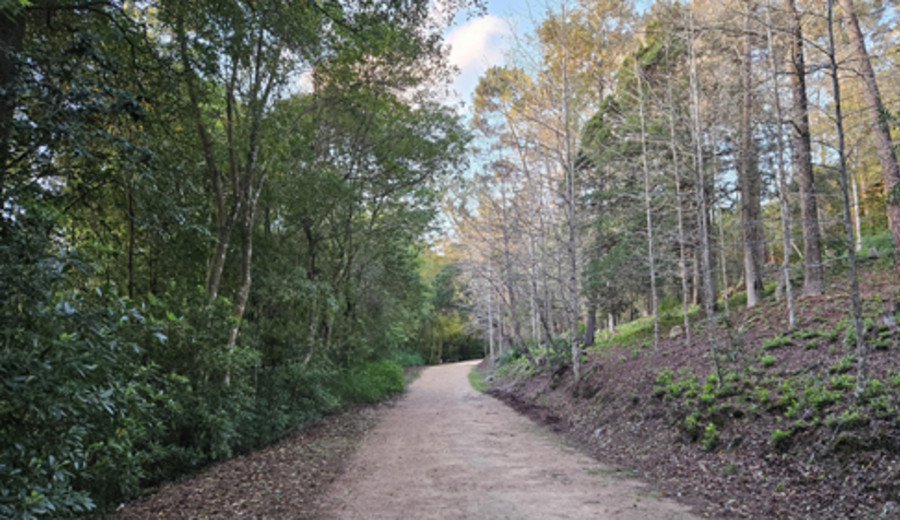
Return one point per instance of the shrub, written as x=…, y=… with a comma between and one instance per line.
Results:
x=781, y=439
x=372, y=381
x=776, y=342
x=710, y=437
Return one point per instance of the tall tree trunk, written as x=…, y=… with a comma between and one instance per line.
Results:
x=679, y=210
x=782, y=183
x=861, y=346
x=571, y=217
x=490, y=306
x=706, y=267
x=749, y=176
x=880, y=126
x=648, y=209
x=812, y=249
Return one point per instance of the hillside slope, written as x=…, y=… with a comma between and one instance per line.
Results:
x=780, y=436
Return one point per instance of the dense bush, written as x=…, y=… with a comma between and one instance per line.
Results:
x=101, y=396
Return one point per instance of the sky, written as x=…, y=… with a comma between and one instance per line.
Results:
x=477, y=44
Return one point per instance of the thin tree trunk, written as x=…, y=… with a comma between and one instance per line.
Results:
x=857, y=226
x=723, y=260
x=880, y=125
x=129, y=208
x=702, y=206
x=510, y=287
x=490, y=307
x=749, y=177
x=590, y=326
x=803, y=171
x=782, y=184
x=682, y=258
x=648, y=209
x=571, y=217
x=861, y=347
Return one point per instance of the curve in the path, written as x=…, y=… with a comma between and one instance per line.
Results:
x=448, y=452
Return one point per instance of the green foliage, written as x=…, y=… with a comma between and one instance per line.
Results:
x=781, y=439
x=775, y=342
x=476, y=379
x=767, y=360
x=406, y=358
x=372, y=382
x=844, y=365
x=710, y=437
x=118, y=361
x=883, y=242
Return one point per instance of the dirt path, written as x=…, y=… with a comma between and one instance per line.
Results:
x=446, y=451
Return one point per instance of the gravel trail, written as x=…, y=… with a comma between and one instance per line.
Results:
x=446, y=451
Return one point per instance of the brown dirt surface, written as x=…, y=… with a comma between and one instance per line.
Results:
x=446, y=451
x=280, y=482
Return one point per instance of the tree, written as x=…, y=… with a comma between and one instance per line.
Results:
x=861, y=347
x=751, y=214
x=877, y=117
x=802, y=160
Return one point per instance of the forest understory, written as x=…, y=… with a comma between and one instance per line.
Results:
x=781, y=437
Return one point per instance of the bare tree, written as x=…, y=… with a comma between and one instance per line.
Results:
x=861, y=347
x=706, y=267
x=782, y=183
x=648, y=208
x=880, y=127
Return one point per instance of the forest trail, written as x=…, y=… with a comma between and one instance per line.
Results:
x=446, y=451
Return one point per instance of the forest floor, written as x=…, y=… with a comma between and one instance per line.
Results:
x=286, y=480
x=782, y=436
x=283, y=481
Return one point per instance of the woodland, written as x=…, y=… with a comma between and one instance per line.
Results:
x=222, y=219
x=682, y=246
x=212, y=230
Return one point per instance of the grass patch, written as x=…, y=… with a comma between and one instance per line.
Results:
x=476, y=379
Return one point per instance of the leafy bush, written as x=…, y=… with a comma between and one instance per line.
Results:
x=710, y=437
x=371, y=382
x=883, y=243
x=406, y=358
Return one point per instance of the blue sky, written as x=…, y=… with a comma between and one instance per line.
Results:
x=479, y=43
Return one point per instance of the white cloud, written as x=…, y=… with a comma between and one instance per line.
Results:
x=476, y=46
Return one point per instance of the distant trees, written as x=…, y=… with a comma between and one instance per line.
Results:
x=699, y=163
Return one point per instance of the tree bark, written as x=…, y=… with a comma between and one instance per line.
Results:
x=812, y=243
x=648, y=209
x=862, y=353
x=749, y=177
x=880, y=127
x=782, y=182
x=571, y=217
x=682, y=258
x=706, y=267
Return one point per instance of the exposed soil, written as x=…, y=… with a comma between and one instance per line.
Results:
x=447, y=451
x=283, y=481
x=825, y=467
